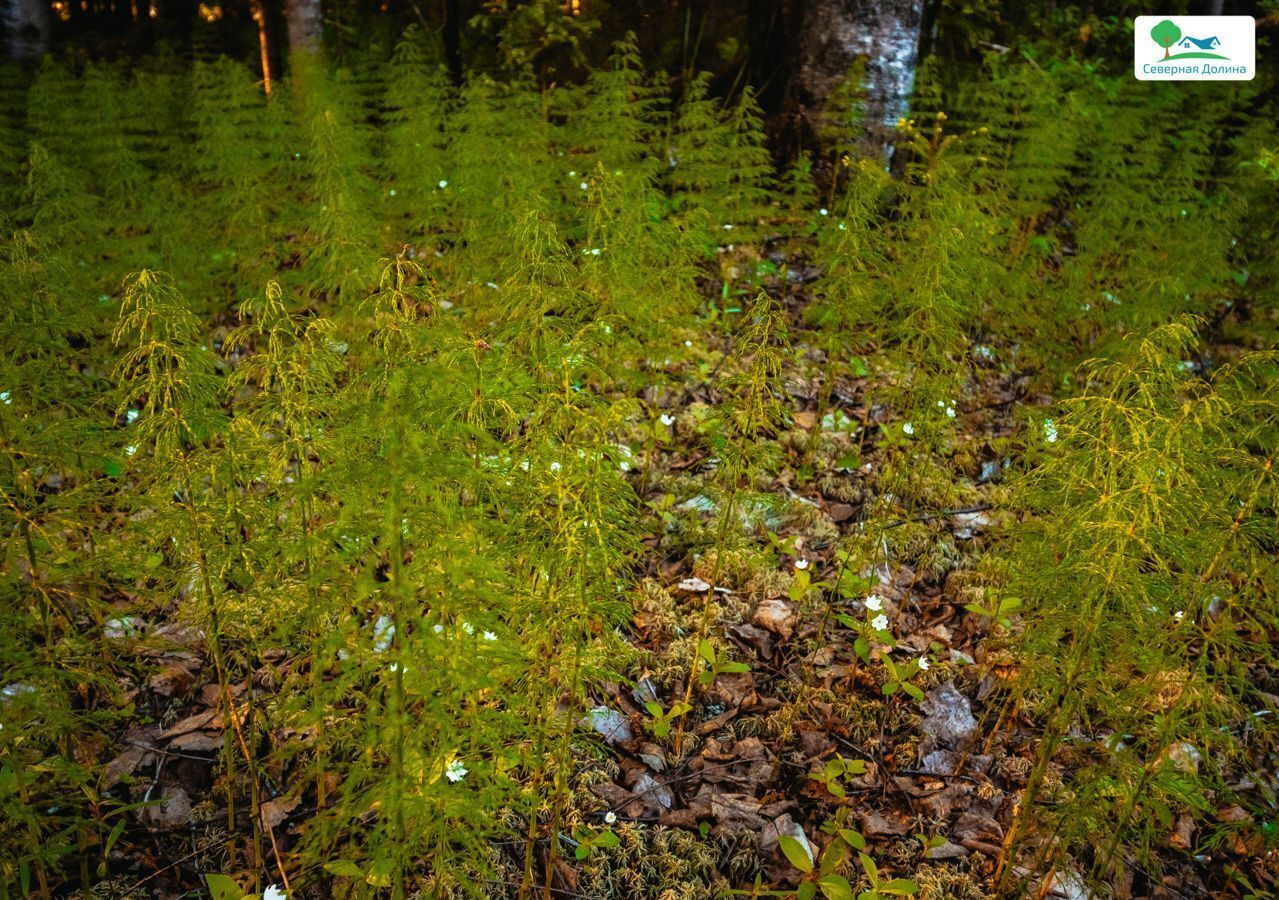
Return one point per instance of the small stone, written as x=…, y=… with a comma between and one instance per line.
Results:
x=614, y=727
x=948, y=718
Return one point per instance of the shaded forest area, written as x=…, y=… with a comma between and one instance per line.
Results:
x=668, y=451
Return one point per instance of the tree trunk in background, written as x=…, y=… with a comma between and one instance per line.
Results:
x=305, y=21
x=833, y=35
x=453, y=39
x=28, y=26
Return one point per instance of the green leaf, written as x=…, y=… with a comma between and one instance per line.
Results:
x=796, y=853
x=583, y=850
x=835, y=887
x=853, y=838
x=807, y=891
x=872, y=870
x=223, y=887
x=862, y=648
x=607, y=839
x=913, y=691
x=890, y=688
x=735, y=667
x=344, y=868
x=831, y=857
x=707, y=651
x=899, y=886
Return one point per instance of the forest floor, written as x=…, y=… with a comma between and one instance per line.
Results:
x=805, y=735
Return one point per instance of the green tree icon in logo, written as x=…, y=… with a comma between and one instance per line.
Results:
x=1165, y=34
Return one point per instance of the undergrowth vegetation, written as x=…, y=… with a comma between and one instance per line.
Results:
x=376, y=437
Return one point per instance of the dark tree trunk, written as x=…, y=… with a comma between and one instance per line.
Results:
x=305, y=21
x=771, y=26
x=28, y=26
x=833, y=34
x=453, y=39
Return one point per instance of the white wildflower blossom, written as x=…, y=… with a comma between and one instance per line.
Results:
x=801, y=564
x=383, y=634
x=1050, y=431
x=667, y=419
x=443, y=184
x=610, y=817
x=468, y=628
x=924, y=664
x=880, y=622
x=274, y=892
x=455, y=771
x=490, y=636
x=874, y=603
x=908, y=428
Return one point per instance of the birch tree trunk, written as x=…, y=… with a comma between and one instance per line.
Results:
x=833, y=35
x=28, y=26
x=305, y=21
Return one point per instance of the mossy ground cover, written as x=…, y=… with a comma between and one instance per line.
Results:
x=515, y=490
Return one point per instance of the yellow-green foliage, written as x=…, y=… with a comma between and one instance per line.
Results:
x=387, y=403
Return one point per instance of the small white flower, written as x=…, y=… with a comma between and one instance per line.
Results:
x=1179, y=615
x=555, y=467
x=950, y=412
x=572, y=173
x=823, y=211
x=455, y=771
x=1050, y=431
x=383, y=634
x=131, y=416
x=908, y=428
x=595, y=251
x=874, y=603
x=443, y=184
x=610, y=817
x=582, y=185
x=728, y=227
x=880, y=622
x=801, y=564
x=274, y=893
x=490, y=636
x=688, y=343
x=392, y=192
x=438, y=629
x=5, y=398
x=667, y=419
x=131, y=449
x=468, y=628
x=842, y=227
x=924, y=664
